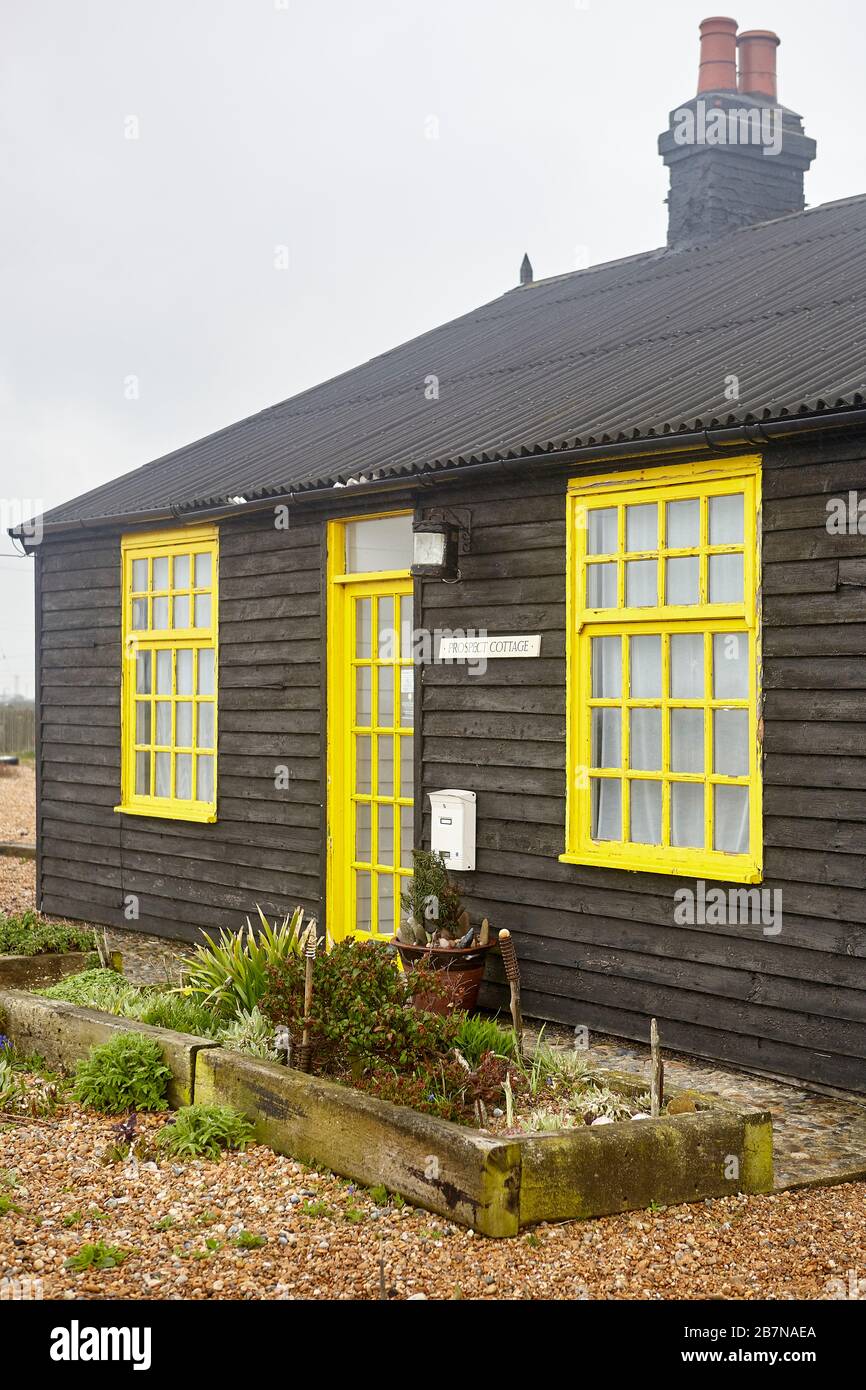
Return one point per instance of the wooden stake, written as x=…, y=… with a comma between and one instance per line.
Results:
x=512, y=974
x=310, y=956
x=657, y=1077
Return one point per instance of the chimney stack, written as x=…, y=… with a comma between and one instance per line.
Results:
x=736, y=156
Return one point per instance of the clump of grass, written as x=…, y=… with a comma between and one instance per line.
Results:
x=95, y=989
x=96, y=1255
x=24, y=934
x=477, y=1035
x=165, y=1009
x=204, y=1131
x=248, y=1240
x=252, y=1034
x=127, y=1073
x=7, y=1205
x=317, y=1208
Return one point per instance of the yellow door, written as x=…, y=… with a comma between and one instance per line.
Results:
x=370, y=749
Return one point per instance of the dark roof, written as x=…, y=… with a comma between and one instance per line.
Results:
x=630, y=350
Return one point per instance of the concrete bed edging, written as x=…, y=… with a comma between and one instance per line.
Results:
x=496, y=1185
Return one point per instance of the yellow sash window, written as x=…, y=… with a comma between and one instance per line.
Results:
x=169, y=700
x=664, y=766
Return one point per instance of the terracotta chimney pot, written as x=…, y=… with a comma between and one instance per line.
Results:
x=757, y=53
x=718, y=69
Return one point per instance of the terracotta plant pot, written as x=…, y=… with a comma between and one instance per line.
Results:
x=463, y=971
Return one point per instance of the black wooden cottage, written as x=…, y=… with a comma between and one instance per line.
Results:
x=656, y=467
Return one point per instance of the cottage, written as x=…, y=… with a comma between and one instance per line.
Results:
x=627, y=472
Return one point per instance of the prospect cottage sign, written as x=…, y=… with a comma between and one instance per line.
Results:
x=471, y=648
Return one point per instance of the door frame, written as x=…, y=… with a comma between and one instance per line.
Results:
x=338, y=749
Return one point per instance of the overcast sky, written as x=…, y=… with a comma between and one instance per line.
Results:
x=404, y=152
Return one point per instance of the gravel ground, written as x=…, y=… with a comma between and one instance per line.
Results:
x=325, y=1238
x=18, y=804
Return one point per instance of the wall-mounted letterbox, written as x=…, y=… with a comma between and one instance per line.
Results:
x=453, y=828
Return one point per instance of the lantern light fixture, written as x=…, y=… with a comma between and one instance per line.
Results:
x=435, y=550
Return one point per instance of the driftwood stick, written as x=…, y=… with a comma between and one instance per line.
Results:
x=484, y=934
x=657, y=1077
x=310, y=956
x=512, y=974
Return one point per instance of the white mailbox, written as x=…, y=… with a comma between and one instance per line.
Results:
x=453, y=828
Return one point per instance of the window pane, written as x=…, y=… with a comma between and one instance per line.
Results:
x=363, y=694
x=139, y=614
x=363, y=628
x=142, y=721
x=363, y=840
x=180, y=615
x=385, y=923
x=202, y=572
x=362, y=901
x=730, y=666
x=143, y=672
x=407, y=696
x=602, y=531
x=641, y=588
x=407, y=836
x=183, y=670
x=163, y=723
x=142, y=774
x=205, y=727
x=645, y=667
x=687, y=666
x=683, y=579
x=687, y=740
x=205, y=670
x=606, y=668
x=726, y=579
x=385, y=717
x=183, y=776
x=645, y=752
x=160, y=614
x=202, y=609
x=731, y=742
x=606, y=738
x=731, y=820
x=139, y=576
x=385, y=843
x=683, y=525
x=384, y=543
x=601, y=586
x=387, y=635
x=606, y=802
x=385, y=765
x=406, y=627
x=407, y=766
x=181, y=571
x=726, y=520
x=362, y=764
x=160, y=572
x=163, y=775
x=687, y=815
x=163, y=673
x=646, y=813
x=183, y=724
x=642, y=527
x=204, y=775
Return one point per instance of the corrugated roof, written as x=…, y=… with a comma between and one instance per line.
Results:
x=630, y=350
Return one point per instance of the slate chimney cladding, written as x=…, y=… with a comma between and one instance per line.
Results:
x=735, y=155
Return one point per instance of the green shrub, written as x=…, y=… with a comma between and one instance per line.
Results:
x=96, y=1256
x=96, y=989
x=230, y=975
x=25, y=935
x=166, y=1009
x=127, y=1073
x=361, y=1008
x=252, y=1034
x=203, y=1131
x=475, y=1036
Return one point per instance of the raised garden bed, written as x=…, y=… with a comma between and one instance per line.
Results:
x=494, y=1184
x=34, y=972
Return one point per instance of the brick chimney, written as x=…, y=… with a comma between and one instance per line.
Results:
x=735, y=155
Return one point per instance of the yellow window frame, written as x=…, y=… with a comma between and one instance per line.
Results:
x=150, y=546
x=679, y=482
